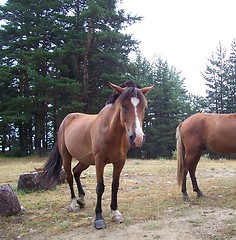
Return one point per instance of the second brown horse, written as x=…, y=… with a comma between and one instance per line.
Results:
x=216, y=132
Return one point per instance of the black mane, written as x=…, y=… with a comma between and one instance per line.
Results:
x=115, y=95
x=130, y=92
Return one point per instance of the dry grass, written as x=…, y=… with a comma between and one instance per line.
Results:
x=148, y=190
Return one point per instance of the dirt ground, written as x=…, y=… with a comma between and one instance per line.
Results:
x=200, y=224
x=211, y=217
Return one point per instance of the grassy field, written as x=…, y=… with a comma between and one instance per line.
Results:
x=148, y=191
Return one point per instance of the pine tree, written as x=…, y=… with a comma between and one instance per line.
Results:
x=216, y=78
x=57, y=57
x=231, y=80
x=100, y=50
x=167, y=106
x=32, y=38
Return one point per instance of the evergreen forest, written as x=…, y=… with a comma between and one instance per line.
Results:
x=57, y=57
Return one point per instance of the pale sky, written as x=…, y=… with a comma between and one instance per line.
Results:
x=184, y=32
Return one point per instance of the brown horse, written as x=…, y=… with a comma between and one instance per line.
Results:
x=98, y=140
x=216, y=132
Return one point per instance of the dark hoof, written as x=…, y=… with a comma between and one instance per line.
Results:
x=186, y=198
x=99, y=224
x=81, y=203
x=200, y=195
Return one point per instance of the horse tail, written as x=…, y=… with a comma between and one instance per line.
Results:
x=180, y=155
x=52, y=168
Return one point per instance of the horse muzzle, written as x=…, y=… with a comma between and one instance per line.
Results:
x=136, y=140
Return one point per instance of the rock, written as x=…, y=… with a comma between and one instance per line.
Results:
x=9, y=203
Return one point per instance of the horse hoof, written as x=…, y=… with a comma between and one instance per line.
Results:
x=81, y=203
x=200, y=195
x=116, y=216
x=118, y=219
x=99, y=224
x=74, y=208
x=186, y=198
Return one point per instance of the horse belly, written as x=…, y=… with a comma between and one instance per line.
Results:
x=223, y=149
x=78, y=143
x=223, y=145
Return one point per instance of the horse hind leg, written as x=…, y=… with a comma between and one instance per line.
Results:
x=188, y=163
x=74, y=206
x=77, y=170
x=192, y=172
x=184, y=188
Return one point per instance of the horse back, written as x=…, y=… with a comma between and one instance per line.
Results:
x=215, y=131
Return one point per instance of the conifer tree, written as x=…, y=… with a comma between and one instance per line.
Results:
x=32, y=38
x=57, y=57
x=216, y=78
x=167, y=106
x=231, y=80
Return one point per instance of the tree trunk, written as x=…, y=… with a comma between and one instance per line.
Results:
x=33, y=182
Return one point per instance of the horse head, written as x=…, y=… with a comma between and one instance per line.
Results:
x=132, y=103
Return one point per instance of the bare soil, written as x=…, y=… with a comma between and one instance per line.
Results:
x=208, y=223
x=151, y=203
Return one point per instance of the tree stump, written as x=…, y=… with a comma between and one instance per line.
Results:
x=9, y=203
x=31, y=181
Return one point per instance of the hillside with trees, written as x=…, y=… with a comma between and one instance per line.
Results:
x=57, y=57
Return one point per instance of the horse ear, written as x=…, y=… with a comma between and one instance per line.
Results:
x=116, y=87
x=146, y=89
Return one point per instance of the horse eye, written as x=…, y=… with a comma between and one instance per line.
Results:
x=124, y=108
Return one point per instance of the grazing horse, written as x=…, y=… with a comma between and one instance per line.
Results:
x=216, y=132
x=97, y=140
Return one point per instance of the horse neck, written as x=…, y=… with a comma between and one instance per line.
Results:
x=114, y=127
x=114, y=119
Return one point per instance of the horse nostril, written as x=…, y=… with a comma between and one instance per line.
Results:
x=132, y=137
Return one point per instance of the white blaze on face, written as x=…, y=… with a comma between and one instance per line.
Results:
x=138, y=130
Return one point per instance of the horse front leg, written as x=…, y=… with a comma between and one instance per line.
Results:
x=99, y=222
x=116, y=216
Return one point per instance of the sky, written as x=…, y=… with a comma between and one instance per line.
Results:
x=185, y=33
